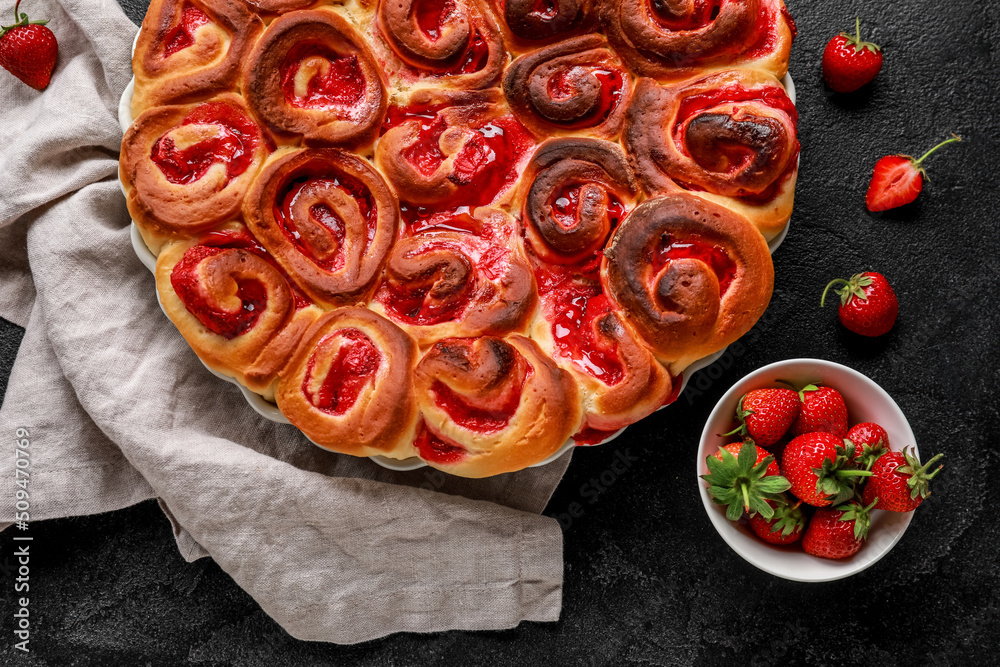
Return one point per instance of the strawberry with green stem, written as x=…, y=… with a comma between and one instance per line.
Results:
x=870, y=442
x=785, y=527
x=849, y=62
x=838, y=533
x=899, y=482
x=744, y=482
x=898, y=180
x=820, y=469
x=765, y=415
x=823, y=410
x=868, y=304
x=28, y=50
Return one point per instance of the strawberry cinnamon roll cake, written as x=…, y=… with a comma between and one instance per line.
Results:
x=469, y=232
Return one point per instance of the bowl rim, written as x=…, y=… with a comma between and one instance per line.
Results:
x=840, y=568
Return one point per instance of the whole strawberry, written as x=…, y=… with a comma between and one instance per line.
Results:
x=744, y=477
x=28, y=50
x=823, y=409
x=820, y=469
x=785, y=527
x=765, y=415
x=837, y=533
x=870, y=442
x=898, y=482
x=898, y=180
x=868, y=304
x=849, y=63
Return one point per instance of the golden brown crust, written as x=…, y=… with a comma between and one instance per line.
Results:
x=572, y=194
x=327, y=217
x=526, y=27
x=729, y=137
x=672, y=40
x=461, y=48
x=173, y=196
x=312, y=75
x=205, y=286
x=631, y=385
x=445, y=284
x=349, y=385
x=495, y=404
x=499, y=230
x=578, y=86
x=180, y=61
x=667, y=267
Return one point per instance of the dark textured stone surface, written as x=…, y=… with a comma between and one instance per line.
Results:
x=648, y=580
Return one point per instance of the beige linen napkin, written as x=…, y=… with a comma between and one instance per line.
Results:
x=333, y=547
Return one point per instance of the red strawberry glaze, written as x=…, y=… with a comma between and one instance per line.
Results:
x=431, y=16
x=181, y=36
x=342, y=86
x=234, y=144
x=436, y=449
x=228, y=324
x=565, y=204
x=232, y=238
x=322, y=214
x=353, y=368
x=772, y=96
x=487, y=165
x=477, y=418
x=692, y=247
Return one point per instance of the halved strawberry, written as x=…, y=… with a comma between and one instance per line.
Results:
x=898, y=179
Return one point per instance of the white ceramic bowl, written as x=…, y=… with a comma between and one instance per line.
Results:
x=866, y=401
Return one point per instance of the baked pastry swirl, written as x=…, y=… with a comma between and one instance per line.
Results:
x=469, y=232
x=729, y=137
x=233, y=305
x=348, y=386
x=444, y=284
x=689, y=275
x=186, y=168
x=672, y=40
x=328, y=219
x=190, y=49
x=492, y=405
x=454, y=44
x=311, y=74
x=578, y=85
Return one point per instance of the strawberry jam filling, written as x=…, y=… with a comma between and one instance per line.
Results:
x=480, y=418
x=188, y=285
x=353, y=368
x=487, y=164
x=432, y=15
x=574, y=332
x=181, y=35
x=233, y=143
x=306, y=189
x=701, y=13
x=771, y=96
x=565, y=206
x=242, y=239
x=437, y=449
x=713, y=256
x=560, y=87
x=332, y=80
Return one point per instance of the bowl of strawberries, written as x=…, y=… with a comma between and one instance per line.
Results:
x=810, y=471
